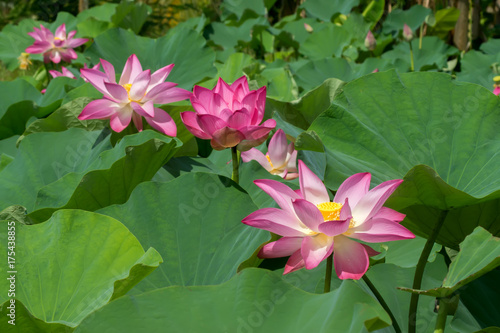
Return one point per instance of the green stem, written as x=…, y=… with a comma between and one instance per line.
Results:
x=236, y=165
x=412, y=65
x=442, y=314
x=328, y=272
x=421, y=36
x=382, y=302
x=419, y=271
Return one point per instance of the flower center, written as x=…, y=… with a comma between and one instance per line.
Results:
x=127, y=87
x=57, y=38
x=330, y=210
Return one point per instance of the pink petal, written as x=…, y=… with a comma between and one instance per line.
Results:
x=55, y=57
x=68, y=55
x=350, y=258
x=163, y=122
x=381, y=230
x=256, y=155
x=225, y=92
x=38, y=47
x=260, y=131
x=116, y=92
x=131, y=70
x=61, y=31
x=389, y=214
x=292, y=160
x=371, y=252
x=190, y=120
x=71, y=34
x=109, y=70
x=338, y=227
x=291, y=176
x=372, y=201
x=240, y=88
x=260, y=106
x=145, y=110
x=140, y=85
x=202, y=95
x=120, y=120
x=283, y=247
x=496, y=91
x=137, y=119
x=75, y=42
x=210, y=124
x=96, y=78
x=282, y=194
x=276, y=220
x=315, y=249
x=98, y=109
x=160, y=75
x=311, y=186
x=294, y=263
x=239, y=119
x=354, y=188
x=171, y=95
x=307, y=213
x=278, y=148
x=226, y=137
x=158, y=90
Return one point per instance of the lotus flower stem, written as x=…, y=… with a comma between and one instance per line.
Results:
x=382, y=302
x=236, y=165
x=421, y=36
x=442, y=314
x=328, y=273
x=419, y=271
x=412, y=65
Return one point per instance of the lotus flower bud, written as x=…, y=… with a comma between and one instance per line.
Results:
x=407, y=33
x=370, y=41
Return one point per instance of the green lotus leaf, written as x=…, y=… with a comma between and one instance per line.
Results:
x=255, y=299
x=72, y=265
x=444, y=145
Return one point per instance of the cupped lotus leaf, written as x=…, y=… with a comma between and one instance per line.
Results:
x=74, y=264
x=479, y=254
x=183, y=47
x=108, y=178
x=64, y=118
x=302, y=112
x=254, y=300
x=195, y=223
x=443, y=135
x=78, y=172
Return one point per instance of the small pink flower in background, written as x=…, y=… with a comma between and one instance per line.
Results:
x=229, y=115
x=313, y=227
x=64, y=72
x=55, y=48
x=370, y=41
x=281, y=158
x=133, y=97
x=496, y=86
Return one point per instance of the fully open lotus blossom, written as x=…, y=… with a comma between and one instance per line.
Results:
x=281, y=158
x=133, y=97
x=55, y=48
x=229, y=115
x=312, y=226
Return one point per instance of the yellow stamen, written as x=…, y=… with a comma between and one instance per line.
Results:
x=331, y=212
x=269, y=159
x=57, y=38
x=127, y=86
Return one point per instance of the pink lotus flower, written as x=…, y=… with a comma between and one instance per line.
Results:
x=281, y=158
x=313, y=227
x=64, y=72
x=133, y=96
x=229, y=115
x=407, y=32
x=496, y=91
x=55, y=48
